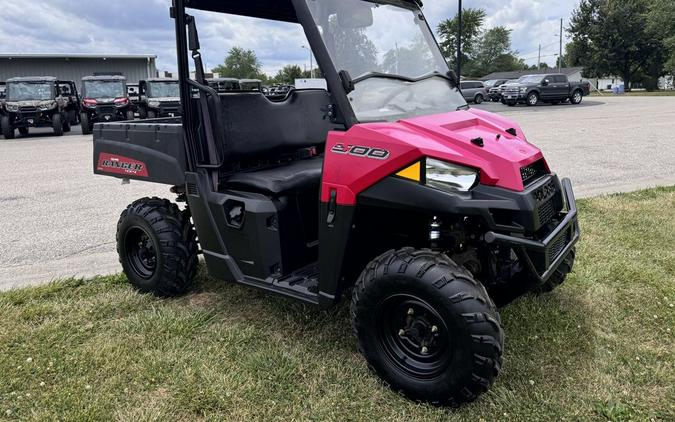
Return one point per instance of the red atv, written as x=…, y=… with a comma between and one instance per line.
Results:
x=386, y=187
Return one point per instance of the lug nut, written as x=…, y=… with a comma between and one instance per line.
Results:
x=401, y=332
x=425, y=350
x=434, y=329
x=411, y=311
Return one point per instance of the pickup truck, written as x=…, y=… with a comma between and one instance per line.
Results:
x=553, y=89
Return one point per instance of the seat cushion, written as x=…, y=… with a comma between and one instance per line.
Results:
x=294, y=176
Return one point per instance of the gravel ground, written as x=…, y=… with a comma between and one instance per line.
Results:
x=58, y=219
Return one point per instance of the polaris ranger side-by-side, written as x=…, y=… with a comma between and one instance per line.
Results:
x=159, y=98
x=386, y=188
x=34, y=102
x=104, y=99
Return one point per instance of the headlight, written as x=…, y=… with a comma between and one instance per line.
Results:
x=13, y=108
x=450, y=177
x=154, y=104
x=523, y=90
x=47, y=106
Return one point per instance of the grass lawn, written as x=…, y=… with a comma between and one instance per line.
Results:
x=599, y=348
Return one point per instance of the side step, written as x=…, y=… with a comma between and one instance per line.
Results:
x=302, y=284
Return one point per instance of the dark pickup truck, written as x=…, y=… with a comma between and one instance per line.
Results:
x=553, y=89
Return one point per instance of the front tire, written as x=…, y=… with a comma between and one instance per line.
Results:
x=559, y=276
x=84, y=124
x=157, y=247
x=23, y=131
x=532, y=99
x=152, y=114
x=7, y=129
x=130, y=115
x=577, y=97
x=426, y=327
x=57, y=124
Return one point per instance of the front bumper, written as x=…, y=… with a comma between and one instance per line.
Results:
x=513, y=96
x=543, y=257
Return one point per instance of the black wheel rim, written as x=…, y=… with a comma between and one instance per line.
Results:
x=413, y=336
x=140, y=251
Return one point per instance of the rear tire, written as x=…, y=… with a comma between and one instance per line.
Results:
x=23, y=131
x=157, y=247
x=478, y=99
x=72, y=117
x=426, y=327
x=57, y=124
x=7, y=129
x=66, y=123
x=84, y=124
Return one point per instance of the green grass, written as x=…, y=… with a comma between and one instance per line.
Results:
x=669, y=93
x=599, y=348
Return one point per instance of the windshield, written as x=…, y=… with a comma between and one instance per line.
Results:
x=164, y=89
x=104, y=89
x=531, y=78
x=397, y=73
x=30, y=91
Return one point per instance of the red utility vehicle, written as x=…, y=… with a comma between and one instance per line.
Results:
x=386, y=188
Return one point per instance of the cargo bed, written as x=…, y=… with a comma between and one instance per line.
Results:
x=148, y=150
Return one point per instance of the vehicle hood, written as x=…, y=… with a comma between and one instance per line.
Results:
x=454, y=137
x=164, y=99
x=30, y=103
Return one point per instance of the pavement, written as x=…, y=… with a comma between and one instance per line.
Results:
x=59, y=219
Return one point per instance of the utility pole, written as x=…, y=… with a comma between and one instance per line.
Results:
x=539, y=58
x=459, y=42
x=561, y=37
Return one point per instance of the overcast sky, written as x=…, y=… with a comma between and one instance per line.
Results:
x=144, y=27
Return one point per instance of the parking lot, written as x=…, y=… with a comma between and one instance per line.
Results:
x=58, y=219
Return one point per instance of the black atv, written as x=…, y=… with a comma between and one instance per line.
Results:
x=159, y=98
x=69, y=92
x=34, y=102
x=104, y=99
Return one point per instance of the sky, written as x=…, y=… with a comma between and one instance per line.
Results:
x=144, y=27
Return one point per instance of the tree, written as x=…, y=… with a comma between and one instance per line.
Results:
x=613, y=37
x=241, y=64
x=662, y=23
x=492, y=52
x=288, y=74
x=472, y=22
x=483, y=50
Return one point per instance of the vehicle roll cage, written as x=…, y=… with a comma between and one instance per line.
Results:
x=293, y=11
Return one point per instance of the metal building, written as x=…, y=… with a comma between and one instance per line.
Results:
x=73, y=67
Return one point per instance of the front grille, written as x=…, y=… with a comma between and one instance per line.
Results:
x=557, y=247
x=533, y=172
x=28, y=110
x=546, y=212
x=105, y=110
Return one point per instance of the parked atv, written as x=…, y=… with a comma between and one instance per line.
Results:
x=159, y=98
x=104, y=99
x=68, y=91
x=386, y=190
x=34, y=102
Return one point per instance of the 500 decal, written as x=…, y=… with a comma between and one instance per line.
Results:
x=360, y=151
